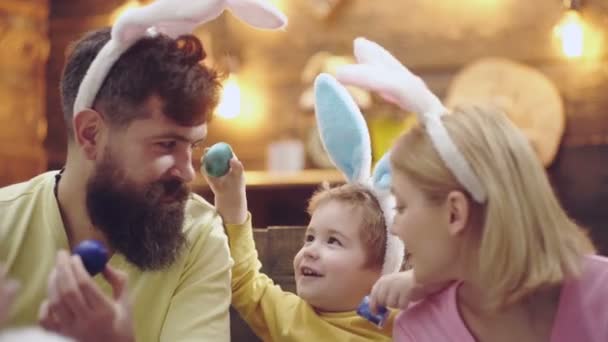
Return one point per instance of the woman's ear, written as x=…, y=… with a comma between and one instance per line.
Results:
x=458, y=207
x=88, y=125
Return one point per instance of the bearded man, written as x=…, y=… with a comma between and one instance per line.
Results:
x=124, y=184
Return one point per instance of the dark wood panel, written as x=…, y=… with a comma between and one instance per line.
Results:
x=67, y=22
x=580, y=177
x=25, y=48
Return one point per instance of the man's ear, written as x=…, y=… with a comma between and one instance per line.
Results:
x=458, y=207
x=88, y=125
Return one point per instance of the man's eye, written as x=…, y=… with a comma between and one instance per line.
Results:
x=197, y=146
x=167, y=144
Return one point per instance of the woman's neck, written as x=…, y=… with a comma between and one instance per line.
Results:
x=530, y=319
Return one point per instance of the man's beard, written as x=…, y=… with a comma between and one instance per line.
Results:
x=144, y=223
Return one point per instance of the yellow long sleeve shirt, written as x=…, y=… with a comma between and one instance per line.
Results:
x=277, y=315
x=189, y=301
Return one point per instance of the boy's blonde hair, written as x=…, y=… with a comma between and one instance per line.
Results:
x=524, y=241
x=372, y=230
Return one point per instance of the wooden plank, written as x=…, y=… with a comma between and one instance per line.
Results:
x=38, y=9
x=82, y=8
x=511, y=28
x=582, y=85
x=283, y=244
x=24, y=41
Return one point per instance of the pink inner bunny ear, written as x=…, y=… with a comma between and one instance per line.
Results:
x=369, y=77
x=258, y=13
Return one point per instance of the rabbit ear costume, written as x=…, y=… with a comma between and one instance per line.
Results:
x=377, y=70
x=346, y=139
x=173, y=18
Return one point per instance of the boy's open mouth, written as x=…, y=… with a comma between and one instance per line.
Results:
x=309, y=272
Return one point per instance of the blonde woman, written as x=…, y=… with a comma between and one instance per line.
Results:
x=474, y=205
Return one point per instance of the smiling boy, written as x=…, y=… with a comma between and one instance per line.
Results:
x=340, y=260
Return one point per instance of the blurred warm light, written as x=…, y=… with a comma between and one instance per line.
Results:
x=579, y=38
x=121, y=9
x=230, y=102
x=242, y=107
x=571, y=32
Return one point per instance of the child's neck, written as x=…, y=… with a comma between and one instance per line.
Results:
x=527, y=320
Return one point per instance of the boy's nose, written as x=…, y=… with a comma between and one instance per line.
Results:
x=311, y=251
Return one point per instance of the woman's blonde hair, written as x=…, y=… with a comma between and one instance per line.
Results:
x=524, y=241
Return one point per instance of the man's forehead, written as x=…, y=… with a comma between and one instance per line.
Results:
x=159, y=125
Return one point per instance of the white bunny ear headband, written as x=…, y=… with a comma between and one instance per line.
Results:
x=379, y=71
x=346, y=139
x=173, y=18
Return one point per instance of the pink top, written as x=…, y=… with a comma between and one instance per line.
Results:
x=582, y=314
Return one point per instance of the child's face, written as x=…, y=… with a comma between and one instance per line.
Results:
x=330, y=269
x=424, y=227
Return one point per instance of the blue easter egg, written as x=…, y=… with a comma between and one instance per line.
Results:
x=365, y=311
x=94, y=255
x=217, y=159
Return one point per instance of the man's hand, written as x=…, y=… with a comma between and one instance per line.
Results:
x=8, y=290
x=77, y=308
x=230, y=195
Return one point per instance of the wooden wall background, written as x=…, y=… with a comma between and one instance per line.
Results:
x=434, y=38
x=24, y=48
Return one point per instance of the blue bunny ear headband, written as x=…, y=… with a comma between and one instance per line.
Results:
x=173, y=18
x=346, y=139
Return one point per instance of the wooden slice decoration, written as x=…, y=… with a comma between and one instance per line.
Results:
x=528, y=97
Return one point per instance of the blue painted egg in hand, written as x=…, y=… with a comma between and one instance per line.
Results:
x=94, y=255
x=216, y=161
x=365, y=311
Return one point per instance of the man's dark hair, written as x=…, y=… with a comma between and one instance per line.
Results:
x=162, y=66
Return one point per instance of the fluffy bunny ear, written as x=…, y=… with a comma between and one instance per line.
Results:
x=258, y=13
x=173, y=18
x=368, y=52
x=343, y=129
x=178, y=17
x=381, y=183
x=379, y=71
x=381, y=177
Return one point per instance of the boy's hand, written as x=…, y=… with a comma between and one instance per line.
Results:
x=77, y=308
x=230, y=195
x=8, y=289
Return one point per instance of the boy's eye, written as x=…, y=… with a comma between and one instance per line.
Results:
x=333, y=240
x=309, y=238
